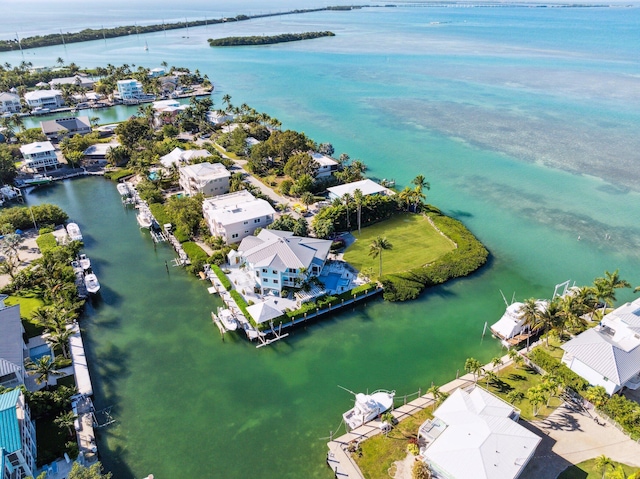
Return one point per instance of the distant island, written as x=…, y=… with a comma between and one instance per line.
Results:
x=267, y=40
x=90, y=34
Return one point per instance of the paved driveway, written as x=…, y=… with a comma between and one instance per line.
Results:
x=570, y=436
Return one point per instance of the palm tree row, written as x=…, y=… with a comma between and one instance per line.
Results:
x=572, y=311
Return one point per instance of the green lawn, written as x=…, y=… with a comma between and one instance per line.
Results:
x=521, y=379
x=554, y=348
x=586, y=470
x=414, y=243
x=27, y=305
x=380, y=452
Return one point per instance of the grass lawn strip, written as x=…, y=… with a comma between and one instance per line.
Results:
x=415, y=243
x=587, y=470
x=380, y=452
x=28, y=304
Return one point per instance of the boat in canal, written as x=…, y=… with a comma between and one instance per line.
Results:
x=123, y=189
x=367, y=407
x=145, y=218
x=73, y=230
x=228, y=319
x=91, y=283
x=84, y=261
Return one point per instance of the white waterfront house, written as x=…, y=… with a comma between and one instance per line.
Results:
x=17, y=437
x=130, y=89
x=609, y=354
x=235, y=216
x=476, y=434
x=218, y=117
x=50, y=99
x=39, y=155
x=326, y=165
x=278, y=259
x=78, y=80
x=178, y=156
x=210, y=179
x=367, y=187
x=9, y=103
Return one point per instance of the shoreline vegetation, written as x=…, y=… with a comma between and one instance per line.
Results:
x=267, y=40
x=90, y=34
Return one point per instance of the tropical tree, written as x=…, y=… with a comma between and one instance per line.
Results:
x=376, y=248
x=43, y=369
x=606, y=286
x=596, y=395
x=346, y=198
x=438, y=395
x=497, y=361
x=535, y=397
x=517, y=359
x=59, y=339
x=358, y=197
x=66, y=420
x=79, y=471
x=603, y=464
x=529, y=313
x=473, y=366
x=515, y=396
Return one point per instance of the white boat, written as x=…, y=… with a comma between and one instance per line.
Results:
x=145, y=218
x=73, y=230
x=368, y=407
x=40, y=110
x=37, y=180
x=75, y=264
x=91, y=283
x=227, y=319
x=123, y=189
x=84, y=261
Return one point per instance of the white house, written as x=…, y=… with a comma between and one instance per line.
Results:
x=367, y=187
x=218, y=117
x=39, y=155
x=60, y=127
x=156, y=72
x=130, y=89
x=9, y=103
x=326, y=165
x=476, y=434
x=178, y=156
x=210, y=179
x=279, y=259
x=78, y=80
x=236, y=215
x=44, y=99
x=17, y=437
x=609, y=354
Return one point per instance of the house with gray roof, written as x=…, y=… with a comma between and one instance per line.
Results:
x=367, y=187
x=278, y=259
x=17, y=437
x=10, y=103
x=209, y=179
x=609, y=354
x=476, y=434
x=57, y=129
x=12, y=347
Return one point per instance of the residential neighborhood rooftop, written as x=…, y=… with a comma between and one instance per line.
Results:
x=367, y=187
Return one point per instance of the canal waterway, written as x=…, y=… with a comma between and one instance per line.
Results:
x=524, y=121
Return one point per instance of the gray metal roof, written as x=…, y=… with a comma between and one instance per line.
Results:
x=11, y=342
x=281, y=249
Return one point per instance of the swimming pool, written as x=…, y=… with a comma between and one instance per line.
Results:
x=39, y=351
x=335, y=282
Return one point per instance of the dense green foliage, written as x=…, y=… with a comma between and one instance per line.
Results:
x=21, y=216
x=626, y=413
x=221, y=276
x=287, y=222
x=194, y=252
x=242, y=304
x=117, y=175
x=46, y=242
x=8, y=157
x=342, y=216
x=555, y=366
x=267, y=40
x=469, y=255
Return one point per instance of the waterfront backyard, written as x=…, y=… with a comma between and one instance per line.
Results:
x=415, y=241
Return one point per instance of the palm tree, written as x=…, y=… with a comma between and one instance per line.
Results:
x=59, y=339
x=603, y=463
x=548, y=318
x=535, y=397
x=66, y=419
x=529, y=313
x=376, y=248
x=515, y=357
x=421, y=184
x=438, y=395
x=418, y=197
x=43, y=369
x=358, y=197
x=345, y=198
x=406, y=196
x=226, y=99
x=473, y=366
x=606, y=286
x=497, y=361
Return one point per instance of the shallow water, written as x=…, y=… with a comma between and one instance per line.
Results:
x=524, y=121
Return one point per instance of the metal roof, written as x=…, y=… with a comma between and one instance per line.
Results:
x=367, y=187
x=11, y=342
x=281, y=250
x=9, y=425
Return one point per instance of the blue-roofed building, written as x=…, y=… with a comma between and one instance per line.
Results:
x=17, y=437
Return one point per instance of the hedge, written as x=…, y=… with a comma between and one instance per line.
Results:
x=469, y=255
x=159, y=213
x=626, y=413
x=553, y=365
x=46, y=242
x=22, y=217
x=222, y=277
x=117, y=175
x=242, y=304
x=194, y=252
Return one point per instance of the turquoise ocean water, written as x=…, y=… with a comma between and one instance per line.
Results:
x=524, y=120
